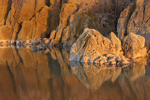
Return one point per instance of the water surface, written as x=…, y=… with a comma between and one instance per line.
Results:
x=25, y=75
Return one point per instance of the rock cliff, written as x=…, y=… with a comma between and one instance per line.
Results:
x=28, y=20
x=133, y=31
x=135, y=18
x=62, y=21
x=55, y=22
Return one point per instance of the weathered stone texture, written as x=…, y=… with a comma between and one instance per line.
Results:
x=92, y=47
x=38, y=19
x=29, y=19
x=123, y=20
x=74, y=18
x=136, y=20
x=134, y=46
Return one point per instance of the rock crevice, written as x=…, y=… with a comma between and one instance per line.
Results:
x=68, y=18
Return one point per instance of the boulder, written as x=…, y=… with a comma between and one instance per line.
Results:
x=91, y=47
x=134, y=46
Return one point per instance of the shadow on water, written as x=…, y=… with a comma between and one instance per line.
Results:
x=25, y=75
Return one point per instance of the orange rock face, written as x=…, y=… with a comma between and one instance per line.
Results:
x=27, y=19
x=36, y=19
x=77, y=15
x=134, y=46
x=135, y=18
x=5, y=6
x=92, y=47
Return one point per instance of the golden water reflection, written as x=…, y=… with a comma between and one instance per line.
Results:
x=25, y=75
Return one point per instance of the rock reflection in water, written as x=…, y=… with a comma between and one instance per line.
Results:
x=115, y=83
x=92, y=76
x=25, y=75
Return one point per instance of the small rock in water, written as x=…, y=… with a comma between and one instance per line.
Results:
x=38, y=49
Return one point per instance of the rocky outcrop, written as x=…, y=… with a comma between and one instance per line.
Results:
x=92, y=47
x=62, y=21
x=134, y=46
x=75, y=21
x=77, y=15
x=135, y=18
x=25, y=20
x=123, y=21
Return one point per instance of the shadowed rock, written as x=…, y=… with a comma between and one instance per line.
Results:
x=76, y=15
x=62, y=21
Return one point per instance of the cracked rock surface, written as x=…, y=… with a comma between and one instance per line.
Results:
x=93, y=47
x=135, y=18
x=62, y=21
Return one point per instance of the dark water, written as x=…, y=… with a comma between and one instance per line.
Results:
x=25, y=75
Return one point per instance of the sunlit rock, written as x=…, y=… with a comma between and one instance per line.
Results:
x=92, y=47
x=123, y=20
x=135, y=18
x=134, y=46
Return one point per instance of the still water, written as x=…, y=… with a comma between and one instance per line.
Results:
x=25, y=75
